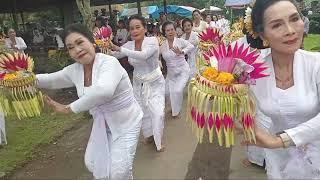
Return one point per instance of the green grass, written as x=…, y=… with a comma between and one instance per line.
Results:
x=25, y=137
x=312, y=42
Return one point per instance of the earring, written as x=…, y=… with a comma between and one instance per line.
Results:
x=265, y=43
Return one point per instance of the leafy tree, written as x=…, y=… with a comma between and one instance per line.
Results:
x=85, y=10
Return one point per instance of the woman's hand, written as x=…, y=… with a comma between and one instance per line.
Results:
x=60, y=108
x=177, y=50
x=115, y=47
x=265, y=140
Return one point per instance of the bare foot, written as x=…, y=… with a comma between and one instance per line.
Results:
x=163, y=148
x=148, y=140
x=246, y=163
x=176, y=117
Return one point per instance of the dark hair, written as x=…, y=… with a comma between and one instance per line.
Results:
x=257, y=20
x=77, y=28
x=185, y=20
x=121, y=22
x=102, y=20
x=140, y=18
x=197, y=10
x=164, y=25
x=10, y=28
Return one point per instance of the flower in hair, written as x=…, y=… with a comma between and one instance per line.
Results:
x=248, y=23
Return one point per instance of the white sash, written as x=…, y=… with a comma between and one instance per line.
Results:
x=147, y=79
x=97, y=156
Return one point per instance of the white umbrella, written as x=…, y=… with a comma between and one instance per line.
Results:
x=212, y=8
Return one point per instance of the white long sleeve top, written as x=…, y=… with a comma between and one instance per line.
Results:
x=171, y=58
x=20, y=44
x=109, y=81
x=144, y=61
x=202, y=26
x=121, y=36
x=193, y=39
x=296, y=109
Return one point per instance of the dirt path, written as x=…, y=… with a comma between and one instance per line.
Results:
x=183, y=157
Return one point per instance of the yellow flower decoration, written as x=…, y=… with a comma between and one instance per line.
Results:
x=225, y=78
x=9, y=76
x=99, y=42
x=210, y=73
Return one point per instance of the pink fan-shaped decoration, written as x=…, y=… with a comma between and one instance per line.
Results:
x=250, y=57
x=14, y=62
x=211, y=35
x=103, y=33
x=227, y=55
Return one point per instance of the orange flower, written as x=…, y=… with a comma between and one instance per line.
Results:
x=210, y=73
x=99, y=42
x=9, y=76
x=225, y=78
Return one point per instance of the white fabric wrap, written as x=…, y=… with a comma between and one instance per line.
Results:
x=97, y=156
x=147, y=79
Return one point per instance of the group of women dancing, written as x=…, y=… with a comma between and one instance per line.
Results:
x=288, y=97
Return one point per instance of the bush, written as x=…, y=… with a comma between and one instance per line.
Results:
x=57, y=60
x=315, y=24
x=314, y=27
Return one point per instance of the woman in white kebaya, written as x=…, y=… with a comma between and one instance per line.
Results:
x=173, y=51
x=198, y=24
x=148, y=81
x=122, y=34
x=193, y=38
x=15, y=43
x=290, y=95
x=104, y=89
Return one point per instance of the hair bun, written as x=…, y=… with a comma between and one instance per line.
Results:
x=254, y=42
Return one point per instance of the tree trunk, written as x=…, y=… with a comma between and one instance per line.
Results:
x=85, y=10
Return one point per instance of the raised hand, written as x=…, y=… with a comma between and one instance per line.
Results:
x=177, y=50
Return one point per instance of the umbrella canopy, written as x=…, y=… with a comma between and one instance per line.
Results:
x=211, y=9
x=184, y=11
x=237, y=2
x=144, y=10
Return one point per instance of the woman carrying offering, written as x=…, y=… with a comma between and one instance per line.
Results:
x=148, y=81
x=104, y=89
x=173, y=51
x=290, y=95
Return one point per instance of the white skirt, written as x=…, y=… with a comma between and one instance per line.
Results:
x=3, y=139
x=294, y=162
x=153, y=111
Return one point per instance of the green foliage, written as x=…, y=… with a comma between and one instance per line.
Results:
x=314, y=23
x=314, y=27
x=197, y=4
x=51, y=61
x=52, y=14
x=27, y=135
x=312, y=42
x=57, y=60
